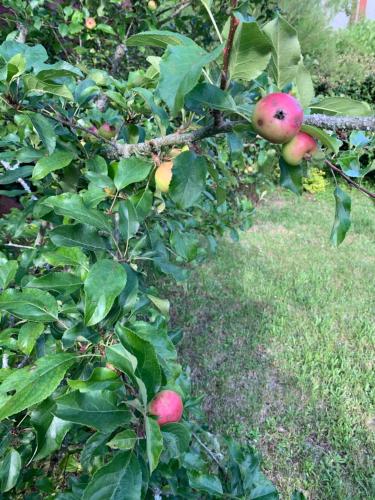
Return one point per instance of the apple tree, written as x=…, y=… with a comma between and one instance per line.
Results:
x=115, y=183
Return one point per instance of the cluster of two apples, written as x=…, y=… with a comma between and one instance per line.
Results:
x=278, y=118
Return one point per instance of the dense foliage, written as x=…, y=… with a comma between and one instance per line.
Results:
x=85, y=339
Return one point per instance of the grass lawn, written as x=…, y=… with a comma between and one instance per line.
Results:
x=279, y=333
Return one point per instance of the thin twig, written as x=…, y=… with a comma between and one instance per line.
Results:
x=163, y=11
x=349, y=180
x=209, y=452
x=234, y=22
x=16, y=245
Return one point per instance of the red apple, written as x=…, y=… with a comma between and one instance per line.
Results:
x=90, y=23
x=167, y=406
x=278, y=117
x=106, y=131
x=302, y=146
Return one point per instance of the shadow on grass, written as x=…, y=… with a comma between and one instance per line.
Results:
x=225, y=345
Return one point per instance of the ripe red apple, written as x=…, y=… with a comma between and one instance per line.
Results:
x=90, y=23
x=106, y=131
x=167, y=406
x=278, y=117
x=163, y=176
x=302, y=146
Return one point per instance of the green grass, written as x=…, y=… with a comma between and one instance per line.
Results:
x=279, y=333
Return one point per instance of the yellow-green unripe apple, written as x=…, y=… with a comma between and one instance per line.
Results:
x=301, y=147
x=163, y=176
x=152, y=5
x=277, y=117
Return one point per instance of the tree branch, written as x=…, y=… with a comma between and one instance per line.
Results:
x=322, y=121
x=176, y=138
x=341, y=122
x=176, y=12
x=234, y=22
x=349, y=180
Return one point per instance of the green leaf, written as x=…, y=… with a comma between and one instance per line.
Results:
x=305, y=86
x=66, y=256
x=341, y=106
x=131, y=170
x=124, y=440
x=180, y=69
x=245, y=465
x=161, y=116
x=34, y=84
x=10, y=469
x=57, y=70
x=71, y=205
x=98, y=409
x=204, y=482
x=154, y=440
x=120, y=479
x=34, y=305
x=286, y=51
x=106, y=28
x=162, y=304
x=48, y=164
x=28, y=335
x=31, y=385
x=142, y=201
x=158, y=38
x=342, y=221
x=45, y=130
x=327, y=140
x=34, y=55
x=77, y=235
x=189, y=178
x=290, y=177
x=100, y=379
x=105, y=281
x=251, y=52
x=128, y=220
x=8, y=270
x=350, y=164
x=12, y=175
x=121, y=359
x=94, y=446
x=50, y=430
x=176, y=439
x=15, y=67
x=148, y=368
x=157, y=336
x=212, y=97
x=58, y=281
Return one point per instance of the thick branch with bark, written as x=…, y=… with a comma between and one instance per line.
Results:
x=366, y=123
x=179, y=137
x=322, y=121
